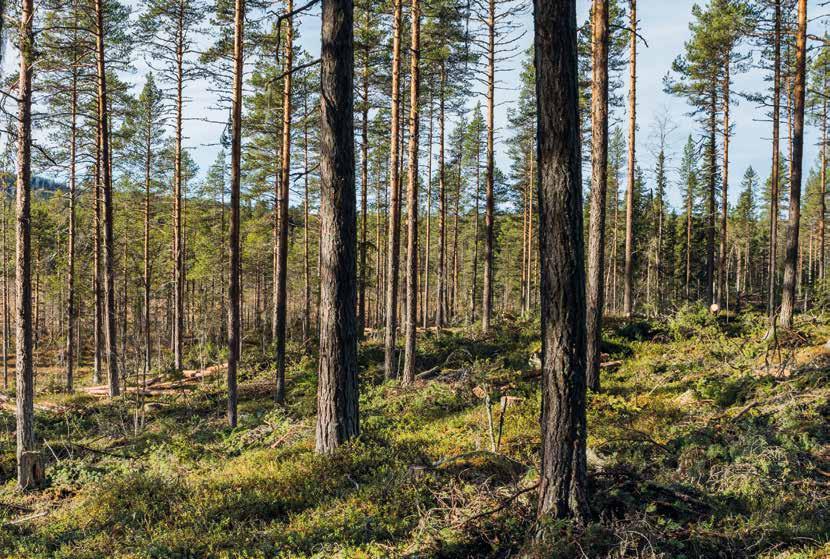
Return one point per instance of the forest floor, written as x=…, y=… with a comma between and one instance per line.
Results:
x=706, y=441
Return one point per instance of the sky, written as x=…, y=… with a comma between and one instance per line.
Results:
x=664, y=26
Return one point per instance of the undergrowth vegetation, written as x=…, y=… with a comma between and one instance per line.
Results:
x=709, y=439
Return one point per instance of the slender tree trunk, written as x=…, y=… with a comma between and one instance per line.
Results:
x=389, y=362
x=306, y=225
x=364, y=184
x=411, y=320
x=822, y=199
x=489, y=203
x=474, y=265
x=563, y=473
x=723, y=284
x=178, y=252
x=788, y=292
x=599, y=186
x=6, y=324
x=441, y=312
x=710, y=204
x=29, y=465
x=774, y=177
x=106, y=188
x=98, y=335
x=428, y=245
x=234, y=341
x=281, y=288
x=148, y=159
x=628, y=302
x=70, y=261
x=337, y=389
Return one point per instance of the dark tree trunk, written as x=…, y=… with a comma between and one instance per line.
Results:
x=599, y=186
x=788, y=293
x=394, y=204
x=106, y=192
x=563, y=470
x=411, y=318
x=281, y=288
x=337, y=390
x=234, y=311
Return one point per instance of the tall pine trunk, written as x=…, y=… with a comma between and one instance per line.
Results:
x=788, y=292
x=489, y=203
x=337, y=389
x=563, y=473
x=628, y=283
x=599, y=186
x=389, y=362
x=774, y=176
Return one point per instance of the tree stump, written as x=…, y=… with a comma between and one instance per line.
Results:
x=30, y=474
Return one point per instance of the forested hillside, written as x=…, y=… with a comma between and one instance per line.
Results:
x=422, y=278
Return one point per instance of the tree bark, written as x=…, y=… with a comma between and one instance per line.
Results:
x=393, y=255
x=599, y=185
x=70, y=261
x=106, y=191
x=441, y=311
x=234, y=326
x=364, y=183
x=788, y=292
x=29, y=465
x=337, y=389
x=723, y=284
x=281, y=288
x=489, y=203
x=774, y=176
x=628, y=286
x=411, y=319
x=562, y=488
x=178, y=253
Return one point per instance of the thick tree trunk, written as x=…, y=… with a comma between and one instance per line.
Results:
x=489, y=203
x=106, y=191
x=599, y=186
x=29, y=464
x=628, y=285
x=788, y=292
x=234, y=326
x=337, y=389
x=393, y=263
x=281, y=287
x=562, y=488
x=411, y=319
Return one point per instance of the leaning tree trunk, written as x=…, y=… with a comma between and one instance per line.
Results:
x=411, y=319
x=281, y=288
x=29, y=464
x=628, y=285
x=599, y=186
x=234, y=326
x=562, y=487
x=337, y=390
x=788, y=295
x=394, y=204
x=106, y=191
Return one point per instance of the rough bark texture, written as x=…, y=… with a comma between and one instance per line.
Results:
x=281, y=289
x=29, y=465
x=599, y=186
x=788, y=294
x=234, y=326
x=411, y=318
x=628, y=285
x=393, y=255
x=337, y=390
x=563, y=469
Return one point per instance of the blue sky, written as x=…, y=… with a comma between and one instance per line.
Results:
x=664, y=24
